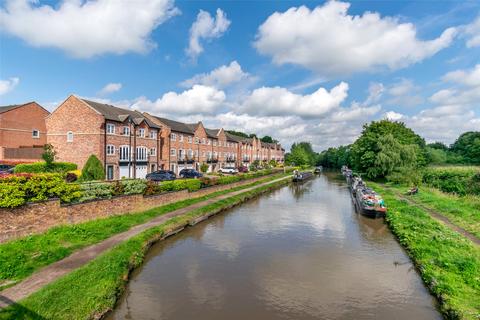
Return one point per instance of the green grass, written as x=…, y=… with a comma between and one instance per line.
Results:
x=94, y=288
x=463, y=211
x=20, y=258
x=448, y=262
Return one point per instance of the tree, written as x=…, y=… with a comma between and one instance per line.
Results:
x=301, y=154
x=393, y=155
x=268, y=139
x=365, y=150
x=468, y=146
x=93, y=170
x=237, y=133
x=48, y=155
x=438, y=145
x=436, y=155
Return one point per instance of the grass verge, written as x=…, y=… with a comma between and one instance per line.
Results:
x=93, y=289
x=449, y=263
x=21, y=257
x=463, y=211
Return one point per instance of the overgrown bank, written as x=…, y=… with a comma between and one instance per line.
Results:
x=92, y=290
x=448, y=263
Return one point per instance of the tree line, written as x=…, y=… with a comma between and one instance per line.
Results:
x=389, y=149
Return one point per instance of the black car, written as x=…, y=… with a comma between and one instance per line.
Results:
x=161, y=175
x=6, y=168
x=189, y=173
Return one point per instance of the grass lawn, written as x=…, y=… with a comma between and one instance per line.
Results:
x=21, y=257
x=93, y=289
x=448, y=262
x=463, y=211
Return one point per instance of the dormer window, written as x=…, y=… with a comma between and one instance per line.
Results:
x=126, y=131
x=153, y=134
x=141, y=133
x=173, y=137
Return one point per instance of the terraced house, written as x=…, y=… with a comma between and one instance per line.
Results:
x=124, y=140
x=131, y=144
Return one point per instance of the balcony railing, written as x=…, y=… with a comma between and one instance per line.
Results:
x=212, y=160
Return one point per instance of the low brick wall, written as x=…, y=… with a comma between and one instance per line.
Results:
x=38, y=217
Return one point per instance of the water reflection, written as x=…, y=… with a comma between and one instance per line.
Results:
x=300, y=252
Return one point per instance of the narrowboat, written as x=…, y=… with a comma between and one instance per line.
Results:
x=368, y=202
x=302, y=176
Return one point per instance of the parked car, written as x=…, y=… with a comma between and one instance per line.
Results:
x=189, y=173
x=161, y=175
x=6, y=168
x=230, y=170
x=242, y=169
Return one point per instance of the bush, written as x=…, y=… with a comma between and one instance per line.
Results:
x=204, y=167
x=41, y=167
x=459, y=180
x=177, y=185
x=16, y=190
x=93, y=169
x=96, y=190
x=134, y=186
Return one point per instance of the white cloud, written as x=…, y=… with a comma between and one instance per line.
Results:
x=8, y=85
x=220, y=77
x=331, y=42
x=206, y=27
x=465, y=77
x=404, y=93
x=279, y=101
x=355, y=112
x=197, y=100
x=87, y=28
x=110, y=88
x=375, y=92
x=393, y=116
x=473, y=33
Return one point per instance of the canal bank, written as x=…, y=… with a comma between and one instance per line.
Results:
x=91, y=290
x=300, y=252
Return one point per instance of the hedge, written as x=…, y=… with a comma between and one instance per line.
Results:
x=16, y=190
x=41, y=167
x=459, y=180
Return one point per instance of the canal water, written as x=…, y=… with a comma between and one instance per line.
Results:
x=300, y=252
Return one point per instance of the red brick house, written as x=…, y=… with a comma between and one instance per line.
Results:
x=22, y=132
x=125, y=141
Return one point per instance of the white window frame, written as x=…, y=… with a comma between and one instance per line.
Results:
x=122, y=153
x=209, y=141
x=142, y=153
x=141, y=133
x=69, y=136
x=37, y=135
x=214, y=143
x=126, y=131
x=153, y=134
x=173, y=137
x=110, y=128
x=180, y=138
x=153, y=152
x=173, y=152
x=189, y=139
x=110, y=150
x=197, y=140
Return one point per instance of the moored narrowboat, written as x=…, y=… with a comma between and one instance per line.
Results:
x=302, y=176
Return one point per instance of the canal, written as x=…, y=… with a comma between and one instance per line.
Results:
x=300, y=252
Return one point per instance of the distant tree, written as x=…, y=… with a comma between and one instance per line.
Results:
x=468, y=146
x=366, y=149
x=301, y=154
x=393, y=155
x=93, y=170
x=48, y=155
x=268, y=139
x=438, y=145
x=436, y=155
x=252, y=135
x=237, y=133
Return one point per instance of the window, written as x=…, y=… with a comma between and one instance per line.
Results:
x=173, y=152
x=173, y=137
x=181, y=154
x=196, y=140
x=126, y=131
x=110, y=172
x=153, y=134
x=35, y=134
x=203, y=154
x=153, y=151
x=141, y=153
x=180, y=138
x=124, y=153
x=110, y=128
x=203, y=140
x=141, y=132
x=190, y=153
x=110, y=149
x=189, y=139
x=214, y=143
x=69, y=136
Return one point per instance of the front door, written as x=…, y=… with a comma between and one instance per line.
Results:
x=110, y=172
x=141, y=172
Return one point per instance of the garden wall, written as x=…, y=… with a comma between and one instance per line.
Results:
x=40, y=216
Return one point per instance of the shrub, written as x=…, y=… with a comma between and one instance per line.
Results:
x=152, y=188
x=93, y=169
x=134, y=186
x=118, y=188
x=41, y=167
x=95, y=190
x=71, y=177
x=204, y=167
x=48, y=155
x=16, y=190
x=177, y=185
x=459, y=180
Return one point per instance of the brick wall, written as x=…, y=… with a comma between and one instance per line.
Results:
x=39, y=217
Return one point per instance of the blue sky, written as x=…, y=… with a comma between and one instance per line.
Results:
x=295, y=70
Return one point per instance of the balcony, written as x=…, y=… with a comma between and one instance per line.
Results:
x=230, y=159
x=212, y=160
x=183, y=160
